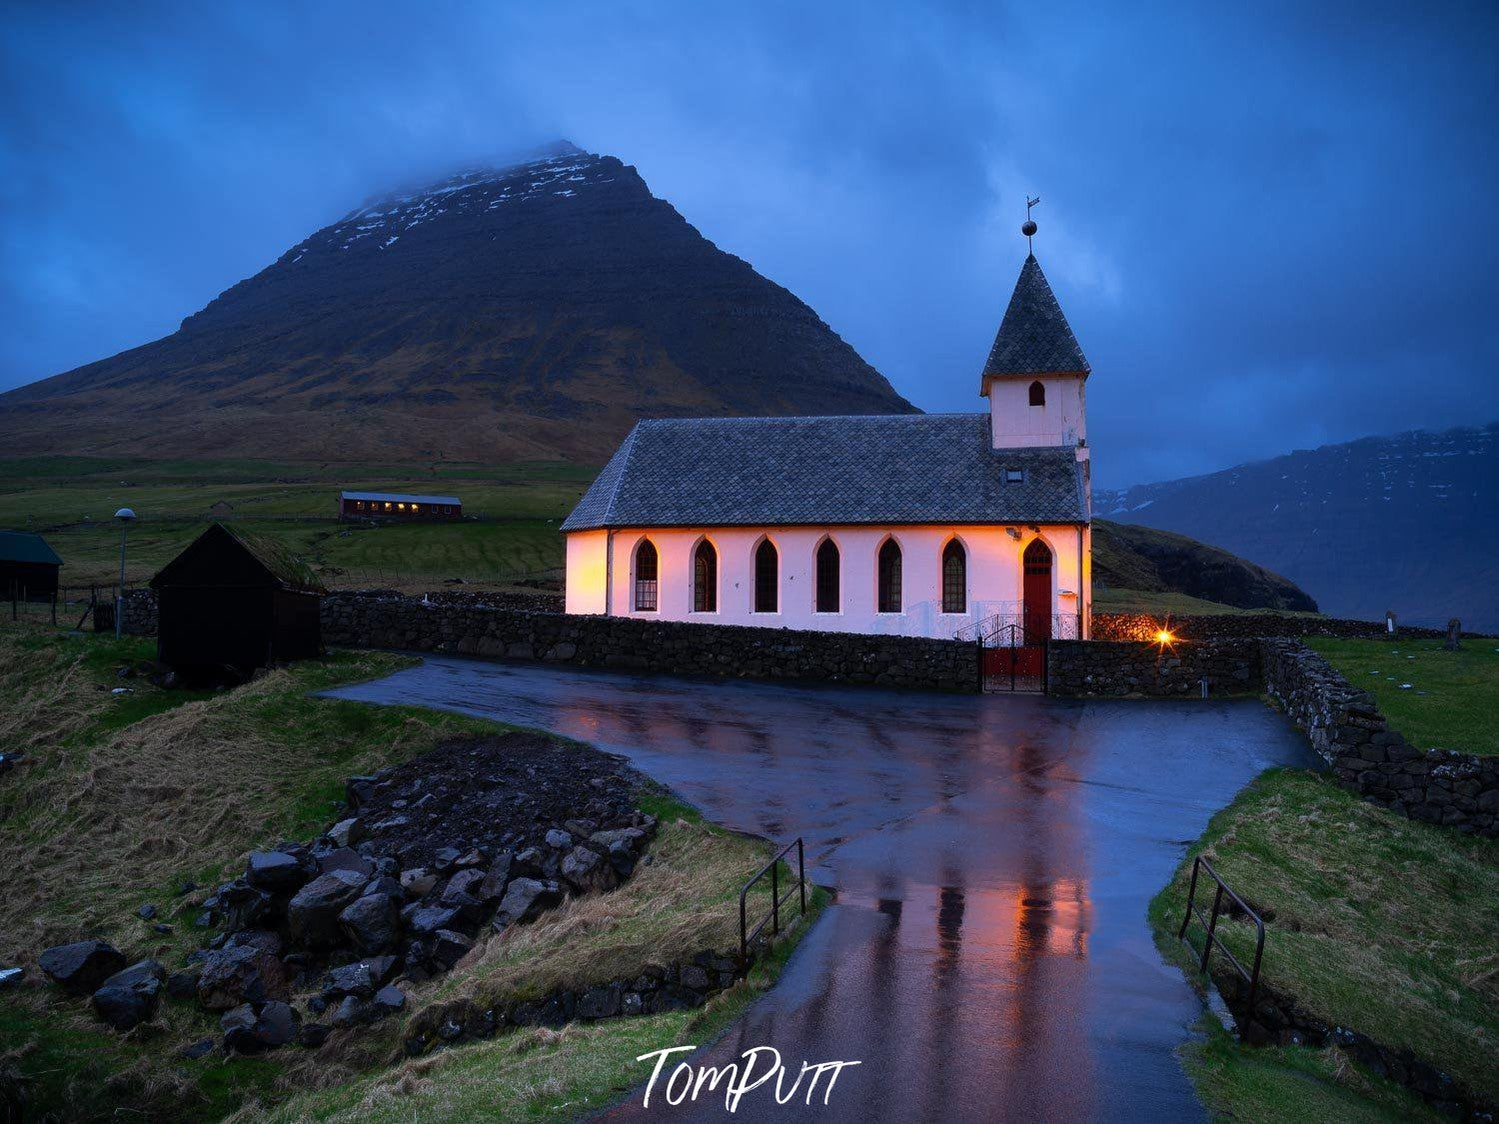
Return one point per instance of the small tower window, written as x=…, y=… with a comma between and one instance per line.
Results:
x=1038, y=393
x=767, y=578
x=889, y=583
x=645, y=577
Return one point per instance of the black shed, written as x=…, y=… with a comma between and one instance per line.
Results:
x=28, y=567
x=236, y=600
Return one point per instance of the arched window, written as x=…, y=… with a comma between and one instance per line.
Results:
x=827, y=577
x=1038, y=393
x=767, y=577
x=954, y=578
x=889, y=591
x=645, y=577
x=705, y=578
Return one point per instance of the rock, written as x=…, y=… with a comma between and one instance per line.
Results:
x=346, y=858
x=244, y=906
x=417, y=882
x=472, y=857
x=276, y=872
x=599, y=1003
x=448, y=948
x=247, y=1031
x=313, y=1035
x=312, y=916
x=350, y=979
x=263, y=939
x=463, y=884
x=345, y=833
x=350, y=1012
x=696, y=978
x=580, y=828
x=358, y=790
x=632, y=837
x=244, y=974
x=371, y=922
x=81, y=967
x=558, y=840
x=492, y=886
x=146, y=912
x=429, y=919
x=524, y=898
x=182, y=986
x=164, y=930
x=445, y=859
x=384, y=884
x=389, y=1000
x=199, y=1049
x=586, y=869
x=129, y=997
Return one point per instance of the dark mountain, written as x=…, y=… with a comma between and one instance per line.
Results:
x=535, y=310
x=1143, y=558
x=1409, y=523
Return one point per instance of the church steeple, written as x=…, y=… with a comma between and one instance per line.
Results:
x=1036, y=370
x=1034, y=337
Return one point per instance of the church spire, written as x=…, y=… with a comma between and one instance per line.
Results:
x=1034, y=337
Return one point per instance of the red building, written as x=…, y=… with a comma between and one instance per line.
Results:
x=393, y=505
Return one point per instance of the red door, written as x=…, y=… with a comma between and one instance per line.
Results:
x=1037, y=609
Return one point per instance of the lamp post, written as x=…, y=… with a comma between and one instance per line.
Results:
x=126, y=517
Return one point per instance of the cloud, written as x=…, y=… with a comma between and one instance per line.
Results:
x=1267, y=226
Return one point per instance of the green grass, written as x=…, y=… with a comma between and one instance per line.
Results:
x=1452, y=697
x=72, y=500
x=1162, y=604
x=1374, y=922
x=1279, y=1083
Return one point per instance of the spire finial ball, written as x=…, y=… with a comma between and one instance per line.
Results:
x=1027, y=228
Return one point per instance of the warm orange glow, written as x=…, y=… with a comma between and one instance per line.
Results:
x=1164, y=637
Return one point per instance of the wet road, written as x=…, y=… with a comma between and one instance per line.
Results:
x=988, y=957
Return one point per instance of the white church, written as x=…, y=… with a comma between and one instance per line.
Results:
x=921, y=524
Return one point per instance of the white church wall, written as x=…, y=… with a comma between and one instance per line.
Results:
x=995, y=575
x=587, y=563
x=1018, y=424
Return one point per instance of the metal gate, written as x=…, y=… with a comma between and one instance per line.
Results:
x=1012, y=647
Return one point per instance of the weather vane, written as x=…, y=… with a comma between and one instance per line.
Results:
x=1028, y=228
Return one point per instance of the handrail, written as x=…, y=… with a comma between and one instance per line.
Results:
x=1210, y=926
x=774, y=917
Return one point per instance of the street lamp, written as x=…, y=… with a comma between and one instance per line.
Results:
x=126, y=517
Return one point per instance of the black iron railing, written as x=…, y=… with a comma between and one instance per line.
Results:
x=747, y=936
x=1210, y=926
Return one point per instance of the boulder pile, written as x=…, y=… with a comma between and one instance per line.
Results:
x=322, y=935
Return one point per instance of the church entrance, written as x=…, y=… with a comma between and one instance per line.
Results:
x=1036, y=613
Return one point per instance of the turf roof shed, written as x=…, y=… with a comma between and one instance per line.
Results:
x=28, y=566
x=236, y=600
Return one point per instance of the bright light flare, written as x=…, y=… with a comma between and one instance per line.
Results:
x=1164, y=637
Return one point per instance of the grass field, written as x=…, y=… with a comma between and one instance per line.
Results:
x=1436, y=698
x=1164, y=604
x=71, y=500
x=1374, y=922
x=124, y=797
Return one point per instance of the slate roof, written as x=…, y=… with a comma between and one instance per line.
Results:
x=826, y=471
x=1034, y=337
x=398, y=497
x=26, y=546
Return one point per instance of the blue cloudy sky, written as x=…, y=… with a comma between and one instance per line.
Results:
x=1272, y=226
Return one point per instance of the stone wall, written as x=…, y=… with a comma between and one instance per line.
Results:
x=1090, y=668
x=1348, y=731
x=1143, y=626
x=140, y=612
x=379, y=621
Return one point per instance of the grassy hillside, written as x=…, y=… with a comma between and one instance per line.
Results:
x=123, y=798
x=1374, y=922
x=1142, y=559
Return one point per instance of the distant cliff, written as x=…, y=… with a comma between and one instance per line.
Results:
x=1409, y=523
x=530, y=311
